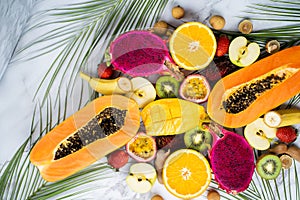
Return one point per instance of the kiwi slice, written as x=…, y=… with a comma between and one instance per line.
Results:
x=268, y=166
x=167, y=87
x=198, y=139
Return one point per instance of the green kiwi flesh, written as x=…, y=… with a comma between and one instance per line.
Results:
x=167, y=87
x=268, y=166
x=199, y=140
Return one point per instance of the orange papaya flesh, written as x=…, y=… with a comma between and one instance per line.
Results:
x=99, y=128
x=172, y=116
x=282, y=69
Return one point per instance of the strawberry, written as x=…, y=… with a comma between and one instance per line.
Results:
x=286, y=134
x=222, y=45
x=104, y=71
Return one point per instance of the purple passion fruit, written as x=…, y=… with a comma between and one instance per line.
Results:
x=195, y=88
x=142, y=147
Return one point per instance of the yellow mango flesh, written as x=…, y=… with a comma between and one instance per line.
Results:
x=172, y=116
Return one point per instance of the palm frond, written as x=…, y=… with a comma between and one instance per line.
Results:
x=21, y=180
x=89, y=24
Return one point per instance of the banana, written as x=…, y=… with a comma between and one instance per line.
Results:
x=120, y=85
x=285, y=117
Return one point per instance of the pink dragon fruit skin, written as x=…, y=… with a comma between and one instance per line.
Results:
x=232, y=162
x=139, y=53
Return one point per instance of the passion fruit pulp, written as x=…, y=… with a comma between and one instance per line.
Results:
x=195, y=88
x=142, y=147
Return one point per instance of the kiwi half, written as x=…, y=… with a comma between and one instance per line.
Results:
x=268, y=166
x=167, y=87
x=198, y=139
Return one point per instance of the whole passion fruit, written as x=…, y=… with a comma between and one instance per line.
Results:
x=195, y=88
x=142, y=147
x=118, y=159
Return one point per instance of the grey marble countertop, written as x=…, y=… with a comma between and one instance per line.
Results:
x=20, y=80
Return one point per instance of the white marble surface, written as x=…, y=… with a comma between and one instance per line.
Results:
x=20, y=81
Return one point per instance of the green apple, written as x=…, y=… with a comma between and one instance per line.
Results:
x=143, y=91
x=141, y=177
x=242, y=52
x=259, y=135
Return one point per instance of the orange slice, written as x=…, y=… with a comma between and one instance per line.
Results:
x=186, y=173
x=193, y=45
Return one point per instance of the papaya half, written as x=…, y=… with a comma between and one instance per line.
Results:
x=243, y=96
x=172, y=116
x=99, y=128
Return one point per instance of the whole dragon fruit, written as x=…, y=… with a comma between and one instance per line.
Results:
x=142, y=53
x=232, y=162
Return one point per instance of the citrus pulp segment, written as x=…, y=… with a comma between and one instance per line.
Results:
x=186, y=173
x=193, y=45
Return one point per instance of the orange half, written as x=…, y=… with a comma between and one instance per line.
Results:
x=193, y=45
x=186, y=173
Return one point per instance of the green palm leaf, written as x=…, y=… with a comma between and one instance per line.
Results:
x=84, y=25
x=21, y=180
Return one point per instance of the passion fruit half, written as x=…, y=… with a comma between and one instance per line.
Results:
x=142, y=147
x=195, y=88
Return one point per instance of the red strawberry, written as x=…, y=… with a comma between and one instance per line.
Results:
x=104, y=71
x=286, y=134
x=222, y=45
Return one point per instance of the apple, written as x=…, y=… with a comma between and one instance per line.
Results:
x=141, y=177
x=242, y=52
x=143, y=91
x=259, y=135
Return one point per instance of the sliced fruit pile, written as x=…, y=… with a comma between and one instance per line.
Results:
x=192, y=84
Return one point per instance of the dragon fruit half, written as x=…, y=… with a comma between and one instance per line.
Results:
x=142, y=53
x=232, y=162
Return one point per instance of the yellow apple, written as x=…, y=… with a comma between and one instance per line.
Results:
x=143, y=91
x=242, y=52
x=141, y=177
x=259, y=135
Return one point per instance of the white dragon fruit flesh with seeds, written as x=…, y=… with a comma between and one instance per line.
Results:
x=232, y=162
x=141, y=53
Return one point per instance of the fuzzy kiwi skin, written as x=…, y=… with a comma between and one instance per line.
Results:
x=272, y=160
x=202, y=146
x=169, y=81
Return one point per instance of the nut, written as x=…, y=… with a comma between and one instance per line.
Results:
x=286, y=161
x=178, y=12
x=217, y=22
x=160, y=27
x=272, y=46
x=213, y=195
x=245, y=26
x=157, y=197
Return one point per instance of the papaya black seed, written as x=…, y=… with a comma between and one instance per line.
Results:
x=107, y=122
x=242, y=98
